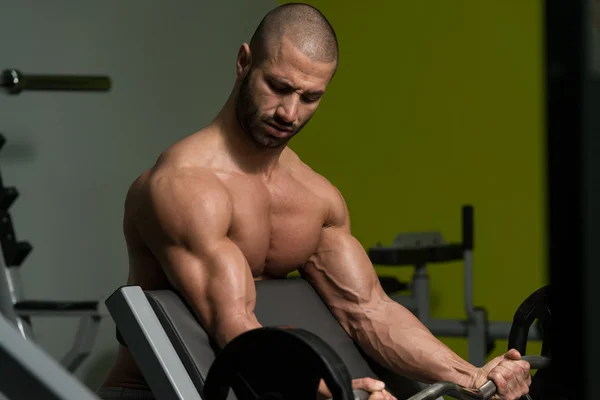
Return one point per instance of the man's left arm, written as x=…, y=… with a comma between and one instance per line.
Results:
x=343, y=274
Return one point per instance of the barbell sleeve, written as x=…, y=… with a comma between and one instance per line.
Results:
x=14, y=81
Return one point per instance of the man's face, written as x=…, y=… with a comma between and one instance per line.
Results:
x=277, y=98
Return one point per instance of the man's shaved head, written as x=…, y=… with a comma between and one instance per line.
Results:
x=283, y=73
x=301, y=24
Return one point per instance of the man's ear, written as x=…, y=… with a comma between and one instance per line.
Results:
x=244, y=61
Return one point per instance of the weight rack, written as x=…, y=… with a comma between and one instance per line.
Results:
x=14, y=306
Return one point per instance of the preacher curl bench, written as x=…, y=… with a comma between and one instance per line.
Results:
x=175, y=354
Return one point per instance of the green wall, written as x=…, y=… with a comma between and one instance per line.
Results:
x=438, y=104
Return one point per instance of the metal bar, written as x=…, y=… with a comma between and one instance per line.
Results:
x=421, y=292
x=148, y=342
x=458, y=392
x=468, y=276
x=57, y=313
x=449, y=388
x=11, y=291
x=27, y=372
x=83, y=343
x=501, y=330
x=6, y=292
x=468, y=217
x=396, y=257
x=16, y=82
x=459, y=328
x=58, y=308
x=477, y=340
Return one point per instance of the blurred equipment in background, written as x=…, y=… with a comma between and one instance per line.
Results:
x=18, y=310
x=13, y=304
x=421, y=248
x=14, y=81
x=28, y=372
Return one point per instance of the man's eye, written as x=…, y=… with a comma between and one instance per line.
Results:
x=277, y=88
x=309, y=99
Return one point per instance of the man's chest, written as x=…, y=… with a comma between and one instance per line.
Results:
x=277, y=226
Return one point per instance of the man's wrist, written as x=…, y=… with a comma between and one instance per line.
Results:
x=466, y=375
x=477, y=379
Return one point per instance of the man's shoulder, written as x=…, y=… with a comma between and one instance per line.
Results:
x=179, y=202
x=168, y=184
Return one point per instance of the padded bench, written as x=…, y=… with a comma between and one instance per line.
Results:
x=175, y=353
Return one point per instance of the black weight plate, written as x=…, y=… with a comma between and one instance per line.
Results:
x=278, y=362
x=536, y=306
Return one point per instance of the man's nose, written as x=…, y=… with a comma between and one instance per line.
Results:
x=288, y=110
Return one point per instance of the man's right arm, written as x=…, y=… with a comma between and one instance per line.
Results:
x=185, y=222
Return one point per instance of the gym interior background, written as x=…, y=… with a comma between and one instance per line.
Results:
x=434, y=106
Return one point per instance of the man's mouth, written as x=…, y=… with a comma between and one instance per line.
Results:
x=278, y=130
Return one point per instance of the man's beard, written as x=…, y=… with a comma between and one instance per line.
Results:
x=254, y=124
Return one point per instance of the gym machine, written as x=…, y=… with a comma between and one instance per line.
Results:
x=300, y=343
x=28, y=372
x=421, y=248
x=13, y=305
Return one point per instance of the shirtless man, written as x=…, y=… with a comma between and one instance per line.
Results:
x=232, y=204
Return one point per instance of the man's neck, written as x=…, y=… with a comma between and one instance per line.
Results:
x=245, y=152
